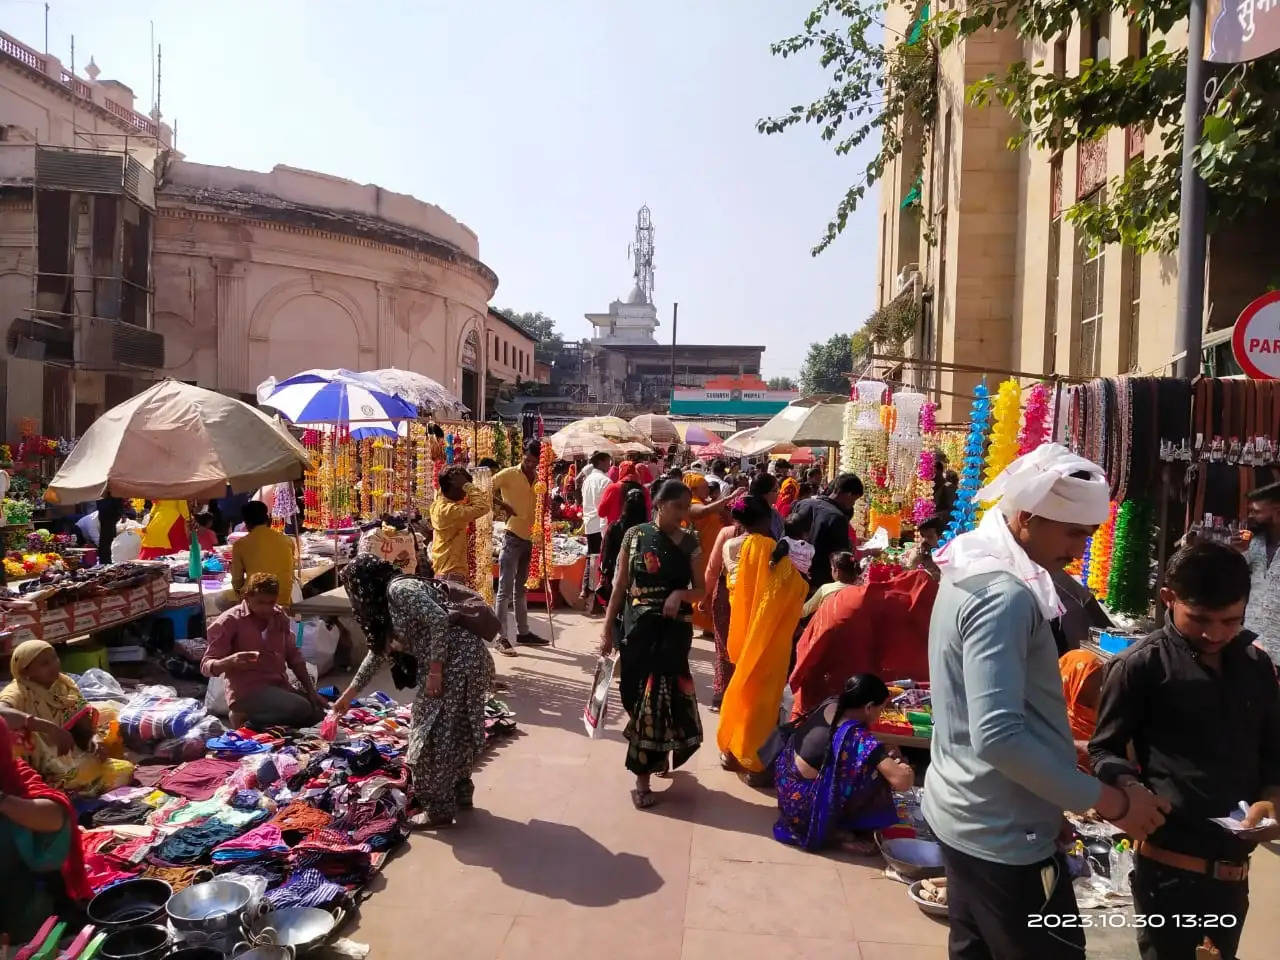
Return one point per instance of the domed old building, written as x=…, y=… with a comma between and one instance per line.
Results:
x=266, y=274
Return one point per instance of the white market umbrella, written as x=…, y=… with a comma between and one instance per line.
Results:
x=337, y=396
x=744, y=444
x=176, y=441
x=807, y=422
x=570, y=443
x=656, y=427
x=612, y=428
x=419, y=389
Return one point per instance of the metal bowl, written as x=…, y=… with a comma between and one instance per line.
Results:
x=912, y=859
x=302, y=928
x=927, y=906
x=215, y=906
x=140, y=900
x=145, y=942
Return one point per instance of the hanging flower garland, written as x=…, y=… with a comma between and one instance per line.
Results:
x=1035, y=419
x=1003, y=448
x=482, y=542
x=500, y=445
x=1077, y=567
x=924, y=506
x=1100, y=553
x=866, y=447
x=964, y=512
x=1129, y=585
x=541, y=519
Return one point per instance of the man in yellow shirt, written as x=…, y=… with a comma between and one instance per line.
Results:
x=262, y=550
x=513, y=498
x=458, y=504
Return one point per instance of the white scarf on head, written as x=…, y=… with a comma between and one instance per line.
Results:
x=1041, y=484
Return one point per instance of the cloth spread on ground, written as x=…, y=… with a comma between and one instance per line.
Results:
x=197, y=779
x=880, y=628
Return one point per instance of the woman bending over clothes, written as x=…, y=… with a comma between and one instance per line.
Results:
x=455, y=673
x=659, y=576
x=834, y=777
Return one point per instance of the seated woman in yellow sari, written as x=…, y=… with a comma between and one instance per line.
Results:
x=765, y=603
x=40, y=689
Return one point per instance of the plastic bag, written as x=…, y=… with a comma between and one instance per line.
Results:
x=215, y=696
x=206, y=729
x=597, y=708
x=97, y=684
x=319, y=643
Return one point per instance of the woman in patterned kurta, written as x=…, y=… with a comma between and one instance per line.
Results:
x=455, y=673
x=659, y=575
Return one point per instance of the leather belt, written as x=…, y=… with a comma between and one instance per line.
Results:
x=1218, y=869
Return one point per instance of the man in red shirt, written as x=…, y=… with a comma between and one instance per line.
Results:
x=250, y=645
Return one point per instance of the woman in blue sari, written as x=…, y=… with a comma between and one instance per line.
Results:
x=834, y=777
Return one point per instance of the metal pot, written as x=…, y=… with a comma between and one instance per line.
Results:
x=136, y=901
x=214, y=907
x=145, y=942
x=196, y=953
x=264, y=951
x=303, y=928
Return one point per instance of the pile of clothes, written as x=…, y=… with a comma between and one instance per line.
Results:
x=315, y=819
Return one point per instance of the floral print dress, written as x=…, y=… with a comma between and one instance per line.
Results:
x=447, y=733
x=656, y=685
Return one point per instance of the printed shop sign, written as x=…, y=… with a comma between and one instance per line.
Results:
x=1241, y=30
x=1256, y=340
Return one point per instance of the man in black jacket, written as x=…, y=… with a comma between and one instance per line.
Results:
x=1198, y=706
x=828, y=519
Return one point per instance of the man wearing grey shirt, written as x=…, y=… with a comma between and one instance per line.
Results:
x=1003, y=765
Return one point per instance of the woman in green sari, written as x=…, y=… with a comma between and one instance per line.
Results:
x=658, y=579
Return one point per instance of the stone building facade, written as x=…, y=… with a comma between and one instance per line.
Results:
x=267, y=274
x=997, y=273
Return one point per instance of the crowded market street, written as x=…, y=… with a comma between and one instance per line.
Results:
x=555, y=861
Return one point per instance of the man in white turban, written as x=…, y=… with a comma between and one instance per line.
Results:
x=1004, y=762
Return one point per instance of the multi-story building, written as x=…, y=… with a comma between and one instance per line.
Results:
x=78, y=167
x=267, y=274
x=978, y=246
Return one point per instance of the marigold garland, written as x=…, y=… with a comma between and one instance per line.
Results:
x=541, y=553
x=1003, y=447
x=482, y=542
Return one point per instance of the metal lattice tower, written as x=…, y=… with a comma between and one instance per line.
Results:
x=642, y=252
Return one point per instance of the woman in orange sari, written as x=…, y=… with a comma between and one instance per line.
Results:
x=1081, y=686
x=706, y=518
x=788, y=494
x=765, y=602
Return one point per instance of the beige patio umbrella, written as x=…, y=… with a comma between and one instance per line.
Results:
x=636, y=446
x=570, y=442
x=657, y=428
x=744, y=444
x=175, y=441
x=808, y=422
x=612, y=428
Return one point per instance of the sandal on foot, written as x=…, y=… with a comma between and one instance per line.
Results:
x=464, y=793
x=729, y=762
x=506, y=647
x=643, y=799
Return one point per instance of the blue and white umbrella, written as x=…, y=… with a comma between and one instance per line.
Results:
x=337, y=396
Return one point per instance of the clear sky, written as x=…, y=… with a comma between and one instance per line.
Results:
x=542, y=126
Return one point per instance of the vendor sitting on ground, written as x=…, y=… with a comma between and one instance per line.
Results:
x=52, y=703
x=262, y=550
x=834, y=778
x=38, y=838
x=250, y=645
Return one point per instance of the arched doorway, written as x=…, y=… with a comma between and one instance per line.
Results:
x=470, y=362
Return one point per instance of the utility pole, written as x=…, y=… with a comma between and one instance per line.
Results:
x=675, y=318
x=1191, y=218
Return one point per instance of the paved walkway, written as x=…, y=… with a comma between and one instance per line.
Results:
x=554, y=861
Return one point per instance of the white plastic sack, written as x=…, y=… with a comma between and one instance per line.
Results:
x=97, y=684
x=126, y=546
x=319, y=643
x=215, y=697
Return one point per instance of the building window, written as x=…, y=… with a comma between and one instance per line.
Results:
x=1133, y=302
x=1089, y=269
x=506, y=357
x=1097, y=39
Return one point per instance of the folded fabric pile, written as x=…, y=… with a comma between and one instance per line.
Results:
x=197, y=779
x=306, y=888
x=263, y=843
x=194, y=844
x=334, y=855
x=152, y=715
